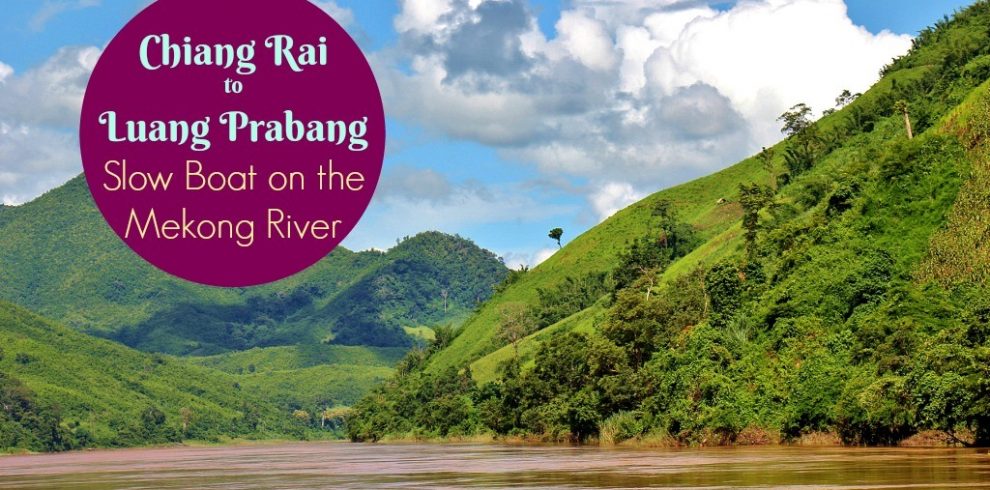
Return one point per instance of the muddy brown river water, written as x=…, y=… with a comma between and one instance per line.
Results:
x=342, y=465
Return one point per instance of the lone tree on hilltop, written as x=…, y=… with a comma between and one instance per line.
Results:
x=556, y=234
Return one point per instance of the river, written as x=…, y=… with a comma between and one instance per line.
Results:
x=342, y=465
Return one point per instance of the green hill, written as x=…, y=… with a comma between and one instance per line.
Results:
x=284, y=358
x=59, y=258
x=61, y=389
x=275, y=361
x=834, y=283
x=307, y=376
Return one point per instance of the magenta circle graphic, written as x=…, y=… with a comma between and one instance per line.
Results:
x=232, y=142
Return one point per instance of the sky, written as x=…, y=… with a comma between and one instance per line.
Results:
x=507, y=118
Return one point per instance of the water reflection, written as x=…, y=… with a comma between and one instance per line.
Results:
x=341, y=465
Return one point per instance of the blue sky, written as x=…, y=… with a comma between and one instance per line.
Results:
x=460, y=162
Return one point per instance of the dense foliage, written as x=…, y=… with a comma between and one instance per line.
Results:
x=425, y=280
x=842, y=304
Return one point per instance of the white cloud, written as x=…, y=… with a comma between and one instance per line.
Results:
x=613, y=196
x=767, y=56
x=39, y=116
x=586, y=40
x=34, y=160
x=5, y=71
x=649, y=92
x=421, y=15
x=515, y=260
x=541, y=255
x=52, y=93
x=344, y=16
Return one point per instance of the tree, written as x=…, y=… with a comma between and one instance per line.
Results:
x=570, y=296
x=766, y=158
x=796, y=120
x=336, y=416
x=723, y=287
x=665, y=210
x=753, y=199
x=152, y=420
x=301, y=416
x=845, y=98
x=186, y=414
x=556, y=234
x=444, y=294
x=443, y=336
x=901, y=106
x=516, y=323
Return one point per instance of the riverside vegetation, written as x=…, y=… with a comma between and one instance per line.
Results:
x=836, y=284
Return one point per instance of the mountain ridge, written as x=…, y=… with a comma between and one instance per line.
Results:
x=59, y=258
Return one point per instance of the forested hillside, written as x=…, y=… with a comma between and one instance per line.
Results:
x=283, y=360
x=834, y=284
x=60, y=389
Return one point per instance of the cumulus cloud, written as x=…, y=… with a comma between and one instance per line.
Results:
x=33, y=160
x=647, y=93
x=52, y=93
x=766, y=56
x=39, y=115
x=494, y=29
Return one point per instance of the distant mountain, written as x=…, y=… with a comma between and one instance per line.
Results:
x=59, y=258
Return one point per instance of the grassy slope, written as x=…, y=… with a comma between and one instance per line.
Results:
x=101, y=384
x=958, y=253
x=598, y=248
x=284, y=358
x=316, y=387
x=307, y=376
